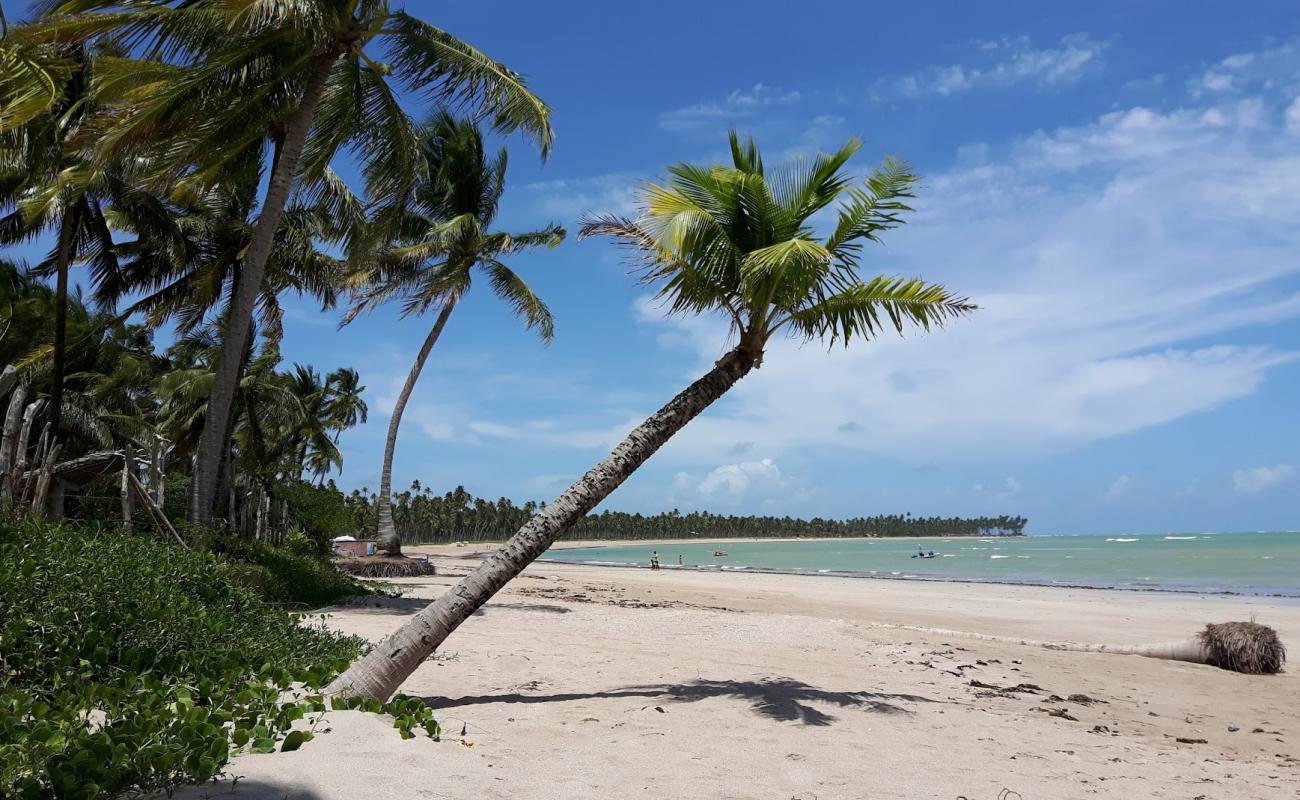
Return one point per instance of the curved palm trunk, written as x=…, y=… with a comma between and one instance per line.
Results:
x=242, y=304
x=379, y=674
x=387, y=537
x=63, y=259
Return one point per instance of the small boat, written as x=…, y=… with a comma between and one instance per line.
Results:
x=719, y=553
x=930, y=554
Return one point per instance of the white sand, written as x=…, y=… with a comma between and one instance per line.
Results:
x=568, y=686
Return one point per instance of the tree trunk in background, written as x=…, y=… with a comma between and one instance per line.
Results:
x=386, y=537
x=253, y=268
x=63, y=260
x=157, y=462
x=379, y=673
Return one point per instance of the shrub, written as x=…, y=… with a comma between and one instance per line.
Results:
x=321, y=512
x=129, y=666
x=284, y=575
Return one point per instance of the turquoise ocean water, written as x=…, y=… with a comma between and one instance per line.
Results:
x=1243, y=563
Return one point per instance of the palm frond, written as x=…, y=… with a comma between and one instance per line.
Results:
x=526, y=305
x=861, y=310
x=456, y=73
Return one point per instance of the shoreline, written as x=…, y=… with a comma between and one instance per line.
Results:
x=472, y=553
x=852, y=575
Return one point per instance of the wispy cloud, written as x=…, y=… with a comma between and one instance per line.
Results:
x=740, y=104
x=1002, y=63
x=1119, y=486
x=1270, y=69
x=564, y=199
x=1260, y=479
x=1009, y=488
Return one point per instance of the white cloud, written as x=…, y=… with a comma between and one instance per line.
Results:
x=1216, y=81
x=736, y=479
x=1006, y=63
x=1106, y=259
x=740, y=104
x=741, y=485
x=1259, y=479
x=1119, y=486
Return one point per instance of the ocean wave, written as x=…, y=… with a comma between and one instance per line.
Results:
x=1121, y=540
x=1182, y=537
x=999, y=556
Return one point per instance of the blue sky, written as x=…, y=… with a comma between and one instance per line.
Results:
x=1115, y=183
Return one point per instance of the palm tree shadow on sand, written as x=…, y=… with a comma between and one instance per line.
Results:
x=780, y=699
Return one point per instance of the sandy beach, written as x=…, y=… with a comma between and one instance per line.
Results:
x=588, y=682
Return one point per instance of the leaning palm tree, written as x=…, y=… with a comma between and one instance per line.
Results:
x=736, y=241
x=214, y=77
x=439, y=237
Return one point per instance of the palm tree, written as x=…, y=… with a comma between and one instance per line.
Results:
x=734, y=240
x=48, y=184
x=439, y=236
x=217, y=77
x=329, y=406
x=187, y=259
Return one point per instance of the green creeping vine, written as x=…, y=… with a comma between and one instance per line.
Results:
x=127, y=666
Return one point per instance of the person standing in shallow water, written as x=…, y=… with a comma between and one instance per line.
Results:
x=654, y=560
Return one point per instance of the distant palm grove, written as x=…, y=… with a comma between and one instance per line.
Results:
x=423, y=517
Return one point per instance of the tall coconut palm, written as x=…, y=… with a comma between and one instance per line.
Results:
x=440, y=235
x=735, y=241
x=219, y=76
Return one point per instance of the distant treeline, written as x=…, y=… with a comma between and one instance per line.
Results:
x=423, y=517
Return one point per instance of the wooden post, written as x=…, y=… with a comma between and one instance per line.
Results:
x=38, y=461
x=46, y=474
x=128, y=456
x=57, y=493
x=8, y=441
x=156, y=512
x=8, y=378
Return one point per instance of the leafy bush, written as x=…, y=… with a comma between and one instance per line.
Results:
x=128, y=666
x=284, y=574
x=321, y=512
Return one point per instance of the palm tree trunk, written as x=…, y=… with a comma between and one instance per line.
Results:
x=379, y=674
x=387, y=537
x=63, y=259
x=242, y=304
